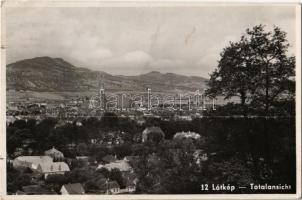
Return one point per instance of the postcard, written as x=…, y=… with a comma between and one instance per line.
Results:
x=150, y=100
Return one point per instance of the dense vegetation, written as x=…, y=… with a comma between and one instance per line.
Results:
x=237, y=147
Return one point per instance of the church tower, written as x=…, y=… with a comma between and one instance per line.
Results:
x=102, y=97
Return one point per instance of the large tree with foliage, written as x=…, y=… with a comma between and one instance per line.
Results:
x=275, y=69
x=231, y=77
x=256, y=68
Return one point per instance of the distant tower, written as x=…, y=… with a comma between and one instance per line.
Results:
x=101, y=94
x=149, y=96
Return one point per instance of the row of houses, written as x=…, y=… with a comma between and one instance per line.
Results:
x=179, y=135
x=127, y=172
x=43, y=165
x=106, y=187
x=66, y=189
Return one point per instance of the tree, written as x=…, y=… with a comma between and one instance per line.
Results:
x=57, y=139
x=19, y=124
x=110, y=119
x=82, y=149
x=43, y=130
x=123, y=150
x=79, y=175
x=13, y=139
x=105, y=172
x=56, y=179
x=16, y=179
x=116, y=175
x=231, y=171
x=91, y=186
x=232, y=76
x=256, y=68
x=274, y=68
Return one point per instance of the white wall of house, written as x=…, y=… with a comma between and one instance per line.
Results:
x=64, y=191
x=115, y=190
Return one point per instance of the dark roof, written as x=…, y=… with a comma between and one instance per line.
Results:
x=131, y=179
x=36, y=189
x=101, y=181
x=74, y=188
x=131, y=158
x=109, y=158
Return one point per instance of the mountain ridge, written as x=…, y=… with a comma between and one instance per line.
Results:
x=56, y=74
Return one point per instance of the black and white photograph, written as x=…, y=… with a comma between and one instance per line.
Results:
x=151, y=100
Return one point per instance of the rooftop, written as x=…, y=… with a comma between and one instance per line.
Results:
x=74, y=188
x=122, y=165
x=54, y=167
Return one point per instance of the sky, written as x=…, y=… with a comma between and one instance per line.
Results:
x=137, y=40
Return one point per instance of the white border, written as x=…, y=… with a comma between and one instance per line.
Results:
x=154, y=3
x=298, y=99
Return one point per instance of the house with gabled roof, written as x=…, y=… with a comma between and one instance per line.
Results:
x=131, y=158
x=110, y=187
x=109, y=158
x=72, y=188
x=131, y=182
x=31, y=162
x=122, y=165
x=54, y=153
x=53, y=168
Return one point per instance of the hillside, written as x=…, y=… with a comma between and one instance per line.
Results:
x=45, y=74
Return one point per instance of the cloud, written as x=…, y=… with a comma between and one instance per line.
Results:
x=133, y=40
x=136, y=58
x=129, y=63
x=92, y=55
x=166, y=64
x=102, y=53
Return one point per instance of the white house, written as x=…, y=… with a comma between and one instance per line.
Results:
x=111, y=187
x=122, y=165
x=53, y=168
x=189, y=134
x=131, y=182
x=31, y=161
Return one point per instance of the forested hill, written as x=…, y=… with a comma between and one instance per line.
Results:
x=45, y=74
